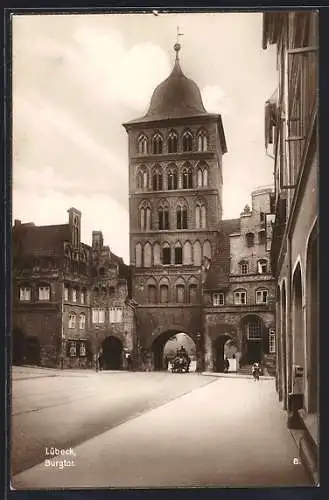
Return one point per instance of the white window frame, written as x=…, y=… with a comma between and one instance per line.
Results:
x=25, y=293
x=115, y=314
x=238, y=298
x=272, y=342
x=98, y=315
x=82, y=349
x=82, y=321
x=82, y=297
x=72, y=320
x=244, y=268
x=260, y=265
x=260, y=296
x=66, y=294
x=74, y=295
x=44, y=293
x=218, y=299
x=74, y=347
x=252, y=337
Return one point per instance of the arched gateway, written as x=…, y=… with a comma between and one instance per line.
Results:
x=159, y=361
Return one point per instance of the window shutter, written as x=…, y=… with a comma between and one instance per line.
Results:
x=266, y=342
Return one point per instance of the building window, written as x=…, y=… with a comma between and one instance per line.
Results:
x=157, y=144
x=142, y=179
x=187, y=141
x=180, y=294
x=202, y=175
x=116, y=314
x=44, y=293
x=145, y=217
x=25, y=293
x=240, y=298
x=111, y=291
x=218, y=299
x=262, y=217
x=172, y=178
x=82, y=349
x=254, y=331
x=72, y=348
x=262, y=266
x=164, y=294
x=250, y=239
x=272, y=342
x=74, y=295
x=66, y=294
x=187, y=178
x=142, y=144
x=262, y=237
x=139, y=255
x=83, y=297
x=157, y=180
x=72, y=320
x=261, y=296
x=172, y=142
x=98, y=315
x=82, y=322
x=166, y=254
x=202, y=141
x=151, y=294
x=163, y=214
x=193, y=293
x=178, y=254
x=244, y=267
x=200, y=215
x=181, y=216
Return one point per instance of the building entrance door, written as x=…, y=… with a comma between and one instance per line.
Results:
x=112, y=354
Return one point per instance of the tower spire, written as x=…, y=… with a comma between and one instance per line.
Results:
x=177, y=45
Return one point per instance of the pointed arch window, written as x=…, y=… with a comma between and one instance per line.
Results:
x=145, y=216
x=202, y=174
x=200, y=215
x=163, y=216
x=172, y=177
x=172, y=142
x=180, y=291
x=147, y=255
x=139, y=255
x=181, y=215
x=151, y=293
x=142, y=178
x=207, y=249
x=202, y=140
x=157, y=179
x=157, y=144
x=187, y=176
x=187, y=253
x=166, y=254
x=156, y=254
x=187, y=141
x=164, y=292
x=178, y=253
x=142, y=144
x=197, y=253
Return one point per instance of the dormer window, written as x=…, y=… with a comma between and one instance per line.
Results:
x=262, y=266
x=244, y=267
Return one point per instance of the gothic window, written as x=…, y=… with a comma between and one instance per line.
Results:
x=187, y=141
x=72, y=320
x=250, y=239
x=157, y=144
x=157, y=179
x=207, y=249
x=180, y=292
x=44, y=292
x=262, y=266
x=187, y=253
x=181, y=215
x=261, y=296
x=202, y=140
x=142, y=144
x=200, y=215
x=163, y=215
x=156, y=254
x=83, y=295
x=164, y=292
x=244, y=267
x=82, y=321
x=240, y=297
x=142, y=178
x=172, y=142
x=66, y=293
x=192, y=290
x=172, y=177
x=25, y=293
x=166, y=254
x=197, y=253
x=202, y=174
x=178, y=253
x=74, y=294
x=145, y=216
x=151, y=293
x=147, y=255
x=139, y=255
x=187, y=176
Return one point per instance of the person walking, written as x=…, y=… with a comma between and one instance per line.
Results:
x=226, y=365
x=255, y=370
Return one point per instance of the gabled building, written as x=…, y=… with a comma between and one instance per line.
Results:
x=291, y=132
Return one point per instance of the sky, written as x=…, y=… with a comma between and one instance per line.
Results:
x=78, y=78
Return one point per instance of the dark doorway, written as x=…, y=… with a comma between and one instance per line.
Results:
x=253, y=339
x=32, y=351
x=18, y=346
x=219, y=352
x=112, y=354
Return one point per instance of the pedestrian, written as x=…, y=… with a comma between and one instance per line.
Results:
x=255, y=370
x=226, y=365
x=129, y=360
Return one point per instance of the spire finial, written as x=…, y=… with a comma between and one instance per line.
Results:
x=177, y=45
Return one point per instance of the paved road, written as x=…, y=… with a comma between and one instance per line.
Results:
x=211, y=432
x=53, y=408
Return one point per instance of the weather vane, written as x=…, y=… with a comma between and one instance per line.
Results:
x=178, y=34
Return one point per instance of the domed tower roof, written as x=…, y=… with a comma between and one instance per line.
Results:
x=177, y=96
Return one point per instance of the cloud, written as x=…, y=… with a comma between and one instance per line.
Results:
x=215, y=100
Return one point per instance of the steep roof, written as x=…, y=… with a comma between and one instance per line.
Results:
x=29, y=239
x=218, y=275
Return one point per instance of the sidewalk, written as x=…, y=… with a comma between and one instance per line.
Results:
x=229, y=433
x=234, y=375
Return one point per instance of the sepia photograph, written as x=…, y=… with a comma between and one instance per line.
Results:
x=165, y=303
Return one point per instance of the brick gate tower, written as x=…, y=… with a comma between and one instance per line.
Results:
x=175, y=204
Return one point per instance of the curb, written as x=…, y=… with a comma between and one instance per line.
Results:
x=235, y=375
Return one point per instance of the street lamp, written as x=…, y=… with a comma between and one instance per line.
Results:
x=96, y=350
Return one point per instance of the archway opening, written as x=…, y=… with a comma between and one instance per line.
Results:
x=32, y=351
x=253, y=328
x=165, y=347
x=111, y=354
x=222, y=347
x=284, y=344
x=313, y=324
x=297, y=319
